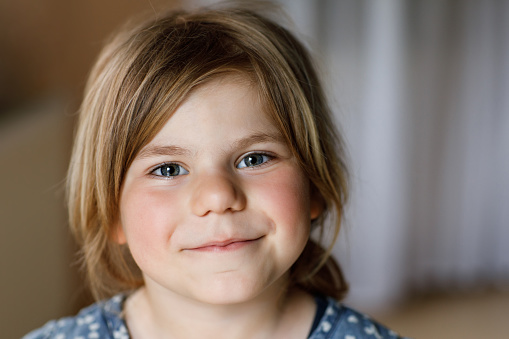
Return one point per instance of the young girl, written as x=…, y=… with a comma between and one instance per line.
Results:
x=204, y=158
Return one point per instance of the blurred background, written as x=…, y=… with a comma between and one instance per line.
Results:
x=421, y=91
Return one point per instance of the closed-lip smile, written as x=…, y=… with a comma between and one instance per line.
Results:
x=223, y=246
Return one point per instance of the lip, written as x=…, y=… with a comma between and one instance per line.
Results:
x=224, y=246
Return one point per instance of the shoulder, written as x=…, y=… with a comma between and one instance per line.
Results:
x=100, y=320
x=340, y=321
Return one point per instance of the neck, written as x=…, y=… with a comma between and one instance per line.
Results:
x=273, y=314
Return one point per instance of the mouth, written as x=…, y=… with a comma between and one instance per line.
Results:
x=224, y=246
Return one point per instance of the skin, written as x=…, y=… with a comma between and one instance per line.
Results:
x=215, y=210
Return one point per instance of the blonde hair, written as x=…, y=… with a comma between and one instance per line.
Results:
x=141, y=77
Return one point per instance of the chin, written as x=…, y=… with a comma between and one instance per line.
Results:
x=230, y=291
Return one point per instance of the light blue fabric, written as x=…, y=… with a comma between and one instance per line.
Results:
x=103, y=320
x=341, y=322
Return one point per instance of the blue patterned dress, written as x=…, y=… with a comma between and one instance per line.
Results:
x=104, y=320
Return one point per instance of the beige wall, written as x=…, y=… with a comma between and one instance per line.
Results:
x=46, y=50
x=48, y=45
x=37, y=280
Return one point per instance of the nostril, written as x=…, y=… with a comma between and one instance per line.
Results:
x=217, y=195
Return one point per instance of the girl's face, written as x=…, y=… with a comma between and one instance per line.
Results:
x=215, y=208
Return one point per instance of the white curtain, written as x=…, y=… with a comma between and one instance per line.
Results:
x=421, y=91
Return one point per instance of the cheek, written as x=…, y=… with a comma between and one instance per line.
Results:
x=286, y=199
x=145, y=219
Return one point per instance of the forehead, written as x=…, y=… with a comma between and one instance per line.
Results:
x=224, y=108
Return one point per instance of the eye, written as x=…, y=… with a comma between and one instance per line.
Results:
x=169, y=170
x=253, y=160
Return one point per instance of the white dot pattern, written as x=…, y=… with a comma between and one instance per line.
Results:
x=341, y=322
x=104, y=320
x=352, y=319
x=326, y=326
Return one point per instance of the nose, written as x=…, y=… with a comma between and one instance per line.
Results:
x=217, y=194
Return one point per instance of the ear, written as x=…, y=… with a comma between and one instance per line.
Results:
x=117, y=233
x=316, y=204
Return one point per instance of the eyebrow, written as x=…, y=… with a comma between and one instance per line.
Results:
x=156, y=150
x=171, y=150
x=257, y=138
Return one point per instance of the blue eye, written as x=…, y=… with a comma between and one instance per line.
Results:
x=169, y=170
x=253, y=160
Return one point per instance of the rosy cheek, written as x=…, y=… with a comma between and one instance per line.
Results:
x=287, y=197
x=145, y=217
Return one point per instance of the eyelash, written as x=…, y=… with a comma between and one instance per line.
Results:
x=269, y=158
x=168, y=164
